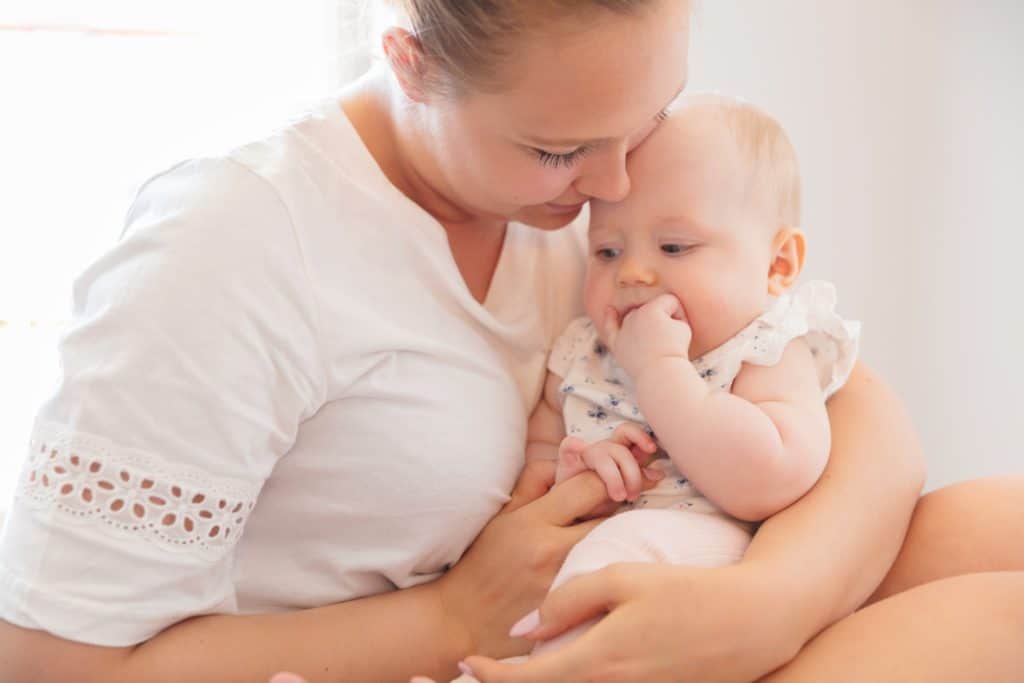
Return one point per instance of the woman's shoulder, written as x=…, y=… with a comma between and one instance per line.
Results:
x=317, y=154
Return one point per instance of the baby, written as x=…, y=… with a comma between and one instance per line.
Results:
x=695, y=386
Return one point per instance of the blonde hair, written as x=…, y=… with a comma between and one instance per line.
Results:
x=763, y=143
x=465, y=42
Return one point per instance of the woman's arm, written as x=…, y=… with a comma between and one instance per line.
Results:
x=352, y=641
x=832, y=548
x=389, y=637
x=807, y=567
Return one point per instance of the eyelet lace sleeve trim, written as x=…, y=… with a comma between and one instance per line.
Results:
x=88, y=479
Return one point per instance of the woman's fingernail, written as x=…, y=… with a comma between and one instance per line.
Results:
x=464, y=668
x=525, y=625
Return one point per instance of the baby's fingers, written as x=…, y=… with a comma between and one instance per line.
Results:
x=629, y=470
x=669, y=305
x=609, y=326
x=607, y=467
x=631, y=434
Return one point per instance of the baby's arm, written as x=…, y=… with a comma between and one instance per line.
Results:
x=546, y=430
x=753, y=451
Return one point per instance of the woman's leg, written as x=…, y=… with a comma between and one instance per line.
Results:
x=964, y=628
x=973, y=526
x=951, y=607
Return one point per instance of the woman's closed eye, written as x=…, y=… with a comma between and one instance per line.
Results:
x=564, y=159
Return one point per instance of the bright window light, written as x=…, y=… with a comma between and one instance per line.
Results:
x=97, y=97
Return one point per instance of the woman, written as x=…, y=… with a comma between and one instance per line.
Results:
x=332, y=338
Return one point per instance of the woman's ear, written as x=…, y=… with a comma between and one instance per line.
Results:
x=404, y=56
x=788, y=250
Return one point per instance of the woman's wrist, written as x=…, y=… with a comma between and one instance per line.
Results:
x=458, y=640
x=794, y=612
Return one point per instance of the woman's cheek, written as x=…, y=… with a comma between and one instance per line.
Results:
x=542, y=183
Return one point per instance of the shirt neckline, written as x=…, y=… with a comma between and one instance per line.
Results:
x=431, y=227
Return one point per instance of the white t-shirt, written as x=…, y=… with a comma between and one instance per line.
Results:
x=281, y=343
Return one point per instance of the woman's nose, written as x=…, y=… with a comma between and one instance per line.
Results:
x=604, y=174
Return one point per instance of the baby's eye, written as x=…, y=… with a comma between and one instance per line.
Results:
x=607, y=253
x=674, y=248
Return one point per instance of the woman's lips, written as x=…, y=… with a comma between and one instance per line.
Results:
x=565, y=208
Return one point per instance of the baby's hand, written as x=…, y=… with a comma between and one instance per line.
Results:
x=656, y=330
x=617, y=460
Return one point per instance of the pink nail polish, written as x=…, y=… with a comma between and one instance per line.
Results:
x=464, y=668
x=525, y=625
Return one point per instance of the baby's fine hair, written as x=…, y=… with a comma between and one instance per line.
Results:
x=763, y=143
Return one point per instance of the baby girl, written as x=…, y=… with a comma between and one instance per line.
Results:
x=695, y=386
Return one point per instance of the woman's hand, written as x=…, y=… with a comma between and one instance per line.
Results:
x=510, y=566
x=663, y=623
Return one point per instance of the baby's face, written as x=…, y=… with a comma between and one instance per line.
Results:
x=687, y=228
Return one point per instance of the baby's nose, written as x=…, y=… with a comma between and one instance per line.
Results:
x=635, y=273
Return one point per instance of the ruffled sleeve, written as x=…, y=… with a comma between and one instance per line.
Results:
x=808, y=312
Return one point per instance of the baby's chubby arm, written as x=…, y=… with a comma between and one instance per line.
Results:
x=754, y=451
x=546, y=429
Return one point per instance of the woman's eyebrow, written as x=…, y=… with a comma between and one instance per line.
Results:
x=577, y=142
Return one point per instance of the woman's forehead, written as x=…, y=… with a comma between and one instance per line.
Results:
x=603, y=81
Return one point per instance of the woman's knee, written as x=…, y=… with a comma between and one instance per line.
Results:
x=971, y=526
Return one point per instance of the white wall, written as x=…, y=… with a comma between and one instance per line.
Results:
x=909, y=120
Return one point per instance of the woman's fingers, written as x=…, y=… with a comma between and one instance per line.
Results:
x=540, y=669
x=571, y=499
x=535, y=480
x=585, y=597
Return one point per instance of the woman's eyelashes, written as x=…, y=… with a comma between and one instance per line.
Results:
x=564, y=160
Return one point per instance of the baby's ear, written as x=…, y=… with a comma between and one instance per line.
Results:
x=788, y=250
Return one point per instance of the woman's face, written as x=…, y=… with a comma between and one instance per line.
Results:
x=580, y=97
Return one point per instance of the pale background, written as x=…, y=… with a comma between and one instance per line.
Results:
x=907, y=117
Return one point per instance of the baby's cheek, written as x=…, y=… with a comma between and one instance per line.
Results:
x=596, y=296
